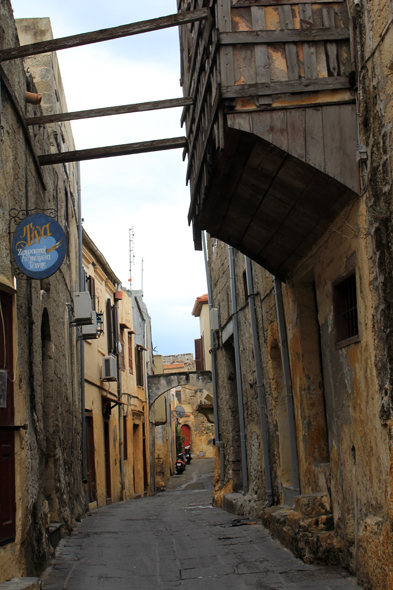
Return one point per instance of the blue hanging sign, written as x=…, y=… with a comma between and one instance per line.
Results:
x=39, y=246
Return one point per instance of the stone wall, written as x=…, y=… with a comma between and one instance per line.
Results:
x=342, y=444
x=47, y=384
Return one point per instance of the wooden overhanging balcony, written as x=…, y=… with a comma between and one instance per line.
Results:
x=272, y=130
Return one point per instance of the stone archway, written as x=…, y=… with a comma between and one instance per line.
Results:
x=160, y=384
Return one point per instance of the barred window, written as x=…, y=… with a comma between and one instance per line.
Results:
x=345, y=310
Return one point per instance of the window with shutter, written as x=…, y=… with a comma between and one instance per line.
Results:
x=139, y=366
x=199, y=354
x=91, y=287
x=123, y=362
x=109, y=327
x=130, y=363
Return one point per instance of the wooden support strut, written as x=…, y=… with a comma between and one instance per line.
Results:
x=107, y=111
x=146, y=26
x=113, y=150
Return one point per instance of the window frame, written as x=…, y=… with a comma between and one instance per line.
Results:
x=340, y=308
x=130, y=353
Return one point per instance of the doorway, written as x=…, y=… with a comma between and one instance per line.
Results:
x=7, y=440
x=107, y=463
x=185, y=435
x=90, y=458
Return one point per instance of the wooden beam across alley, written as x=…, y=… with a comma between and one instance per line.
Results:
x=107, y=111
x=113, y=150
x=146, y=26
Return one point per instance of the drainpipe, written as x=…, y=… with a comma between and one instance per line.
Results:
x=121, y=434
x=260, y=387
x=147, y=426
x=219, y=443
x=81, y=343
x=238, y=372
x=288, y=385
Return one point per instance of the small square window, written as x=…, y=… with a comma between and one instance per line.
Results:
x=345, y=310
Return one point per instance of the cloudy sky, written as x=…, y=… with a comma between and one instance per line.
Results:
x=146, y=191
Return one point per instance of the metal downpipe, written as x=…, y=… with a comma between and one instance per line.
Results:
x=121, y=433
x=288, y=385
x=81, y=343
x=238, y=372
x=260, y=387
x=219, y=443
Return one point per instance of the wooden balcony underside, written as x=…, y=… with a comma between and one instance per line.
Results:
x=269, y=204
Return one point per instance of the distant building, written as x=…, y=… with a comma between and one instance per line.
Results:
x=202, y=344
x=116, y=403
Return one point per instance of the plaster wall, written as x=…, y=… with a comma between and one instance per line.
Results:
x=204, y=325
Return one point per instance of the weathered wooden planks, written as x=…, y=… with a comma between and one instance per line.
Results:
x=286, y=87
x=113, y=150
x=284, y=36
x=146, y=26
x=286, y=22
x=108, y=111
x=241, y=3
x=309, y=53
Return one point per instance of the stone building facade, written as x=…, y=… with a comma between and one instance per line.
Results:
x=116, y=408
x=41, y=490
x=299, y=180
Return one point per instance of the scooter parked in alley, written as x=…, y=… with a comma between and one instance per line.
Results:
x=180, y=464
x=187, y=453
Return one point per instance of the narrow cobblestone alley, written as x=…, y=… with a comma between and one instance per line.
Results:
x=177, y=539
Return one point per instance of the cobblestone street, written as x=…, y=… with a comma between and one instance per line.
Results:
x=177, y=539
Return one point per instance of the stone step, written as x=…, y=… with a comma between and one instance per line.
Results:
x=22, y=584
x=313, y=504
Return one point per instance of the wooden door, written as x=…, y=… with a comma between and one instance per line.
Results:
x=90, y=458
x=7, y=441
x=145, y=478
x=107, y=464
x=186, y=435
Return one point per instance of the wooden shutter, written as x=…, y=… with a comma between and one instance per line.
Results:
x=125, y=439
x=109, y=329
x=139, y=366
x=91, y=287
x=199, y=354
x=130, y=364
x=123, y=362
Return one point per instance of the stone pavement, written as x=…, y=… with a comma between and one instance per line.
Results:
x=178, y=540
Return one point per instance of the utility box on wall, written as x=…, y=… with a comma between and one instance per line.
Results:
x=82, y=308
x=214, y=324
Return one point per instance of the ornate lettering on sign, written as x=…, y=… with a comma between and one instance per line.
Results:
x=39, y=246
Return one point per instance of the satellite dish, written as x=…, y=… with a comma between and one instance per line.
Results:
x=180, y=411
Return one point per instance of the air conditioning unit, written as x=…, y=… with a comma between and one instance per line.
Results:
x=89, y=331
x=109, y=368
x=82, y=308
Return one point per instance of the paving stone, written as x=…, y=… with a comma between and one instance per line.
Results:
x=166, y=542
